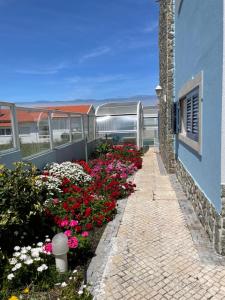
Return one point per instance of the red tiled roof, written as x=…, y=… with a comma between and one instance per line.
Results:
x=29, y=116
x=82, y=109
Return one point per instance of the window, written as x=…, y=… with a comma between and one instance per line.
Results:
x=189, y=113
x=192, y=114
x=5, y=131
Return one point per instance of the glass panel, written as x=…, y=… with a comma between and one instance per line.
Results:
x=116, y=123
x=76, y=127
x=148, y=121
x=60, y=129
x=91, y=127
x=33, y=132
x=117, y=108
x=6, y=136
x=120, y=138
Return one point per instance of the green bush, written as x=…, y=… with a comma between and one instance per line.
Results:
x=20, y=198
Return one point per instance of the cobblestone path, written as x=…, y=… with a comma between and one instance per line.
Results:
x=161, y=250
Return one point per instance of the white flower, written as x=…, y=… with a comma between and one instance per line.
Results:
x=84, y=286
x=74, y=271
x=10, y=276
x=48, y=240
x=70, y=278
x=42, y=268
x=12, y=261
x=35, y=253
x=18, y=266
x=23, y=257
x=45, y=267
x=28, y=248
x=47, y=236
x=37, y=259
x=64, y=284
x=40, y=244
x=16, y=248
x=24, y=250
x=29, y=261
x=16, y=254
x=58, y=283
x=80, y=292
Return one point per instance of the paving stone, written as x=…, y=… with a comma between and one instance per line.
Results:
x=157, y=248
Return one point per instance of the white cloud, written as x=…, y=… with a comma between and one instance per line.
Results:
x=151, y=28
x=45, y=70
x=95, y=53
x=95, y=80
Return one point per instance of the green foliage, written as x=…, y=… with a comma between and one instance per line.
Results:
x=20, y=198
x=103, y=148
x=49, y=285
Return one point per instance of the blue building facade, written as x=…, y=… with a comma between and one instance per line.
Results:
x=198, y=78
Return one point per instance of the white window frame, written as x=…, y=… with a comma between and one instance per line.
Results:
x=187, y=89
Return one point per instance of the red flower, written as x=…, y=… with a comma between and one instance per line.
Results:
x=78, y=228
x=65, y=181
x=87, y=212
x=76, y=188
x=88, y=226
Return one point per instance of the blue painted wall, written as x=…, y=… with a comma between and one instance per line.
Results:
x=199, y=47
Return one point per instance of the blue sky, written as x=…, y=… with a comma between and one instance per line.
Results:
x=69, y=49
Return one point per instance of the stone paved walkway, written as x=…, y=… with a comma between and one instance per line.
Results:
x=160, y=250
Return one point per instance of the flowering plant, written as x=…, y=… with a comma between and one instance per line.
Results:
x=28, y=264
x=69, y=170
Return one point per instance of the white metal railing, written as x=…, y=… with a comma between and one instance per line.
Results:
x=37, y=130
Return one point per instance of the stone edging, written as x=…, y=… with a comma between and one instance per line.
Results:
x=98, y=263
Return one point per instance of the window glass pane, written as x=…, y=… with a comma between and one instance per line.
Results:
x=60, y=129
x=76, y=127
x=120, y=138
x=91, y=127
x=148, y=121
x=6, y=137
x=116, y=123
x=33, y=131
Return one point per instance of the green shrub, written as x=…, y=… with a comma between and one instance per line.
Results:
x=20, y=198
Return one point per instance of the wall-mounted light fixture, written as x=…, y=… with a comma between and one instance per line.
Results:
x=159, y=92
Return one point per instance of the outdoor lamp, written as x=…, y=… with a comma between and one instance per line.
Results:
x=158, y=90
x=59, y=249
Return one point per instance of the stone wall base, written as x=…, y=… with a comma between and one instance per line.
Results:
x=213, y=223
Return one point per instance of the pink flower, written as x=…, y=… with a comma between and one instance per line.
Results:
x=73, y=242
x=68, y=233
x=64, y=223
x=48, y=248
x=123, y=175
x=55, y=201
x=85, y=234
x=73, y=223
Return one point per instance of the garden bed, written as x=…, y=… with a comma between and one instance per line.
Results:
x=75, y=198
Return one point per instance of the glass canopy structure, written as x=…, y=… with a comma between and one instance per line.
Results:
x=120, y=122
x=150, y=133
